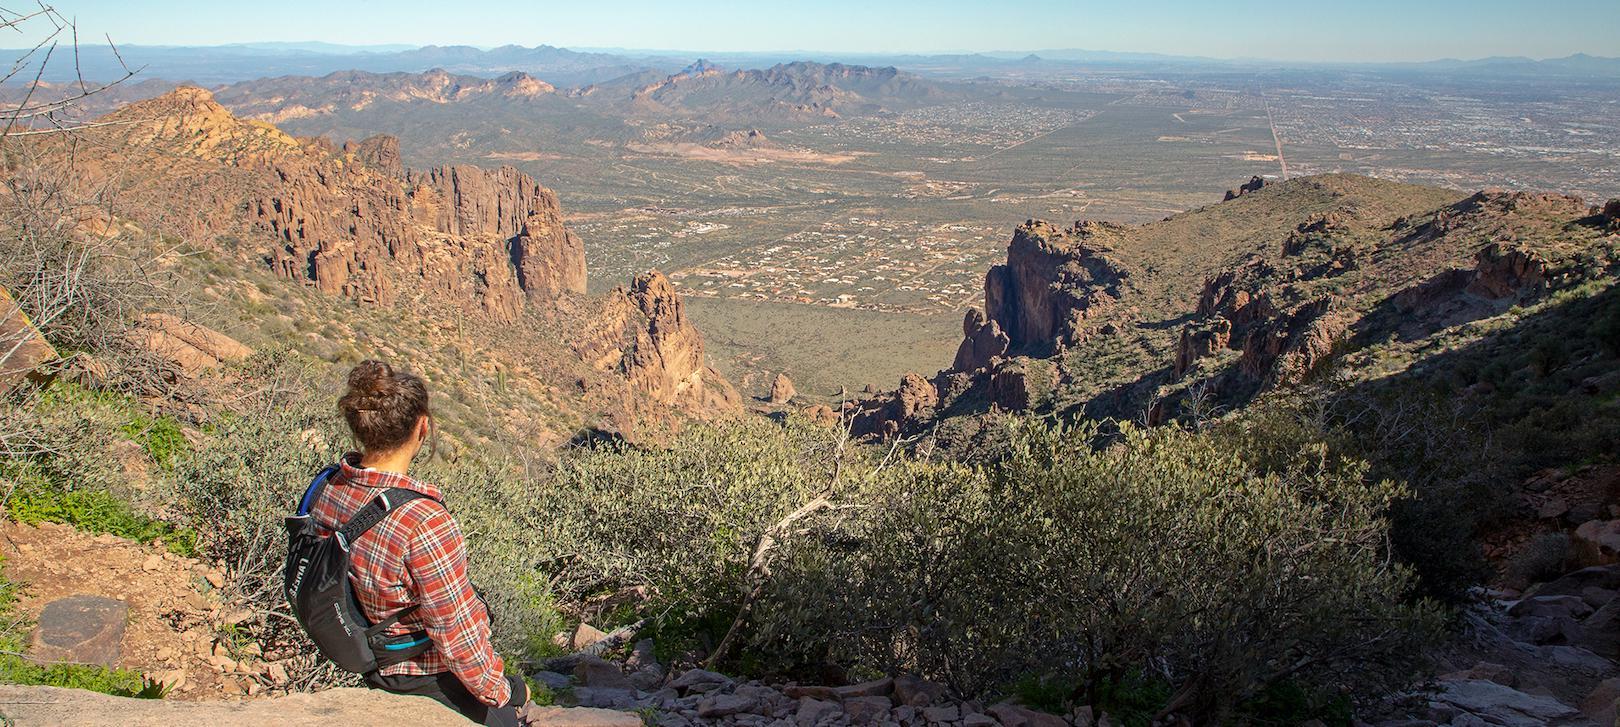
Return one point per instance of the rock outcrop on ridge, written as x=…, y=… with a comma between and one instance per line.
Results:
x=352, y=221
x=1264, y=290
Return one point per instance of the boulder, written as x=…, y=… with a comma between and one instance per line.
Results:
x=1600, y=632
x=699, y=681
x=867, y=710
x=585, y=635
x=594, y=671
x=191, y=348
x=782, y=390
x=22, y=347
x=723, y=705
x=916, y=691
x=1596, y=542
x=1501, y=704
x=1576, y=583
x=552, y=680
x=876, y=688
x=80, y=630
x=602, y=698
x=1487, y=671
x=812, y=711
x=1600, y=706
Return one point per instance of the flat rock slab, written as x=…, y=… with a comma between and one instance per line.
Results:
x=538, y=716
x=349, y=707
x=80, y=630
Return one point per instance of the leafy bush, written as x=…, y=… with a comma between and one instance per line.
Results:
x=245, y=475
x=683, y=521
x=1542, y=559
x=1164, y=550
x=76, y=479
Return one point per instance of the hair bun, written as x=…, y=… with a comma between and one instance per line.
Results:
x=382, y=405
x=370, y=377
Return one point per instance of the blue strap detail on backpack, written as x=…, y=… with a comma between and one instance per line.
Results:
x=315, y=487
x=406, y=645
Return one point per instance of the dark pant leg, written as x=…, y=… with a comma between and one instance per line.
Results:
x=446, y=689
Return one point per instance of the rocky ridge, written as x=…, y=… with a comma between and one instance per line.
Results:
x=1346, y=277
x=352, y=221
x=642, y=331
x=477, y=252
x=295, y=97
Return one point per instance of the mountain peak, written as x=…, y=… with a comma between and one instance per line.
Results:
x=188, y=117
x=700, y=67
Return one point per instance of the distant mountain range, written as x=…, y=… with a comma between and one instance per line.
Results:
x=702, y=91
x=566, y=68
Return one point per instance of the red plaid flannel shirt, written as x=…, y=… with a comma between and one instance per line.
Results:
x=416, y=556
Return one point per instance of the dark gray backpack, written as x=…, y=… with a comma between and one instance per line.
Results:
x=318, y=589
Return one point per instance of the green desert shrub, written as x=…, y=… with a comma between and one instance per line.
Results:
x=683, y=521
x=1165, y=554
x=76, y=474
x=1542, y=559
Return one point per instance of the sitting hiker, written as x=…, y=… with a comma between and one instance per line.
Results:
x=413, y=562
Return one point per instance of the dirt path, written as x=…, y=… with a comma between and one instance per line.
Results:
x=168, y=636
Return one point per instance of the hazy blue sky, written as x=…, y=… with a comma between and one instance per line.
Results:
x=1300, y=30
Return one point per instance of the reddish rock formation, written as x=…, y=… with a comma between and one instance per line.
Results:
x=1021, y=384
x=1200, y=341
x=821, y=415
x=353, y=222
x=982, y=342
x=643, y=333
x=190, y=348
x=1055, y=285
x=894, y=412
x=1253, y=185
x=22, y=348
x=782, y=390
x=1611, y=214
x=1500, y=272
x=1284, y=350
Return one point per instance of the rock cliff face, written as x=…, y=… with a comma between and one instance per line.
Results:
x=435, y=244
x=1205, y=310
x=642, y=332
x=353, y=222
x=1054, y=286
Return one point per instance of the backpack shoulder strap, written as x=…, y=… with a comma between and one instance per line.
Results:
x=375, y=512
x=316, y=487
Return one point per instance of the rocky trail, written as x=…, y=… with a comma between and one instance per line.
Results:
x=1546, y=656
x=138, y=607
